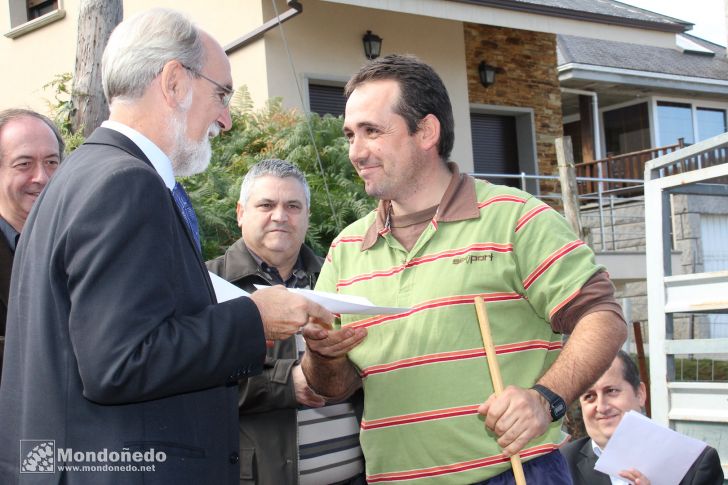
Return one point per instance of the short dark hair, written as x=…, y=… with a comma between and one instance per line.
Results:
x=8, y=115
x=422, y=92
x=630, y=372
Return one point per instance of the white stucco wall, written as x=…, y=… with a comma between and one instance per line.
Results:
x=33, y=59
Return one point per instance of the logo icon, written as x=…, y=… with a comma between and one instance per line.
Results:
x=37, y=456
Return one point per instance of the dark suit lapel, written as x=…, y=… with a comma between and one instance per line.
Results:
x=587, y=460
x=105, y=136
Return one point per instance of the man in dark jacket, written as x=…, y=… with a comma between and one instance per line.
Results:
x=603, y=405
x=288, y=434
x=121, y=368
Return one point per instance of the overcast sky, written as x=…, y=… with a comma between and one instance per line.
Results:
x=707, y=15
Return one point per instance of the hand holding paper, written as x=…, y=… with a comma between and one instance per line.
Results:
x=349, y=304
x=660, y=454
x=283, y=313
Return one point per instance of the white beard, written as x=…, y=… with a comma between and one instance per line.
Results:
x=190, y=157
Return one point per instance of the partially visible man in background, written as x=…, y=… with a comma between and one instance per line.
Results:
x=31, y=148
x=284, y=438
x=603, y=405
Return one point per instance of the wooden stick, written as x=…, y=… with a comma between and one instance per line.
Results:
x=495, y=376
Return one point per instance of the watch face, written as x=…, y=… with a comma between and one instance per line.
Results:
x=558, y=410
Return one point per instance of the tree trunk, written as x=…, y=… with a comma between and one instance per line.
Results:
x=96, y=20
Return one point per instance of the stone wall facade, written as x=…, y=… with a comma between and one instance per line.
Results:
x=526, y=78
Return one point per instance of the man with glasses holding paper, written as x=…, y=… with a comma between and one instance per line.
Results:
x=288, y=434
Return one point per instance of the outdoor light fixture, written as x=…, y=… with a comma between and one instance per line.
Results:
x=372, y=45
x=486, y=73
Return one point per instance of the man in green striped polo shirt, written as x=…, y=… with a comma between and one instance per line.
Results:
x=437, y=240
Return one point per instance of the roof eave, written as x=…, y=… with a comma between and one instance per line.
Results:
x=608, y=75
x=677, y=27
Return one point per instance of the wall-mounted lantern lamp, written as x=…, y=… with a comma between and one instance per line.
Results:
x=486, y=73
x=372, y=45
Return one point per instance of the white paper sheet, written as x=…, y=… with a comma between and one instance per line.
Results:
x=661, y=454
x=349, y=304
x=225, y=290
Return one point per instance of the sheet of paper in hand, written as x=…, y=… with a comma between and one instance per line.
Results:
x=225, y=290
x=659, y=453
x=347, y=304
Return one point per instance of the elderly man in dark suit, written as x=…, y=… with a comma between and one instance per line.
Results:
x=119, y=360
x=31, y=147
x=603, y=405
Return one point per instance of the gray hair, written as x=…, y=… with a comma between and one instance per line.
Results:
x=274, y=168
x=140, y=46
x=8, y=115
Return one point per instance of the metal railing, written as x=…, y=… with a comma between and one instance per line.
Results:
x=600, y=200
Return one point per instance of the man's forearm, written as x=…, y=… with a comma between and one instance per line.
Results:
x=333, y=378
x=587, y=354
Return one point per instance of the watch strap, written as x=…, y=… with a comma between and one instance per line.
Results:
x=557, y=406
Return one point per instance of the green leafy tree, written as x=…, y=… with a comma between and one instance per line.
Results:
x=61, y=109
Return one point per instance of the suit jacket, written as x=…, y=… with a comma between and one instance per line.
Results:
x=6, y=266
x=581, y=458
x=114, y=339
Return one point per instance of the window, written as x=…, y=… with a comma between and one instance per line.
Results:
x=689, y=121
x=325, y=99
x=37, y=8
x=711, y=122
x=495, y=150
x=675, y=120
x=626, y=129
x=29, y=15
x=504, y=143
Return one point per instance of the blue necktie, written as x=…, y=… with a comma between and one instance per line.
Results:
x=188, y=212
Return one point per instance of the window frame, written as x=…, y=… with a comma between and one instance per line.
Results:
x=525, y=138
x=22, y=28
x=694, y=106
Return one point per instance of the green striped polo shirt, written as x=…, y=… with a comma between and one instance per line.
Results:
x=424, y=371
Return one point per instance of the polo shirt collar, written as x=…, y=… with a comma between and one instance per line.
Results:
x=459, y=203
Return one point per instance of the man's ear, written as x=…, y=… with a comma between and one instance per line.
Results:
x=175, y=83
x=239, y=213
x=429, y=132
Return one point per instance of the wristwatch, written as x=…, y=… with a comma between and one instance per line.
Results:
x=557, y=406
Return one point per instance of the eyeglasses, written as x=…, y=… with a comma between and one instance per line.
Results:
x=225, y=98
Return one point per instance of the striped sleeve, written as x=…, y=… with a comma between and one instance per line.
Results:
x=552, y=261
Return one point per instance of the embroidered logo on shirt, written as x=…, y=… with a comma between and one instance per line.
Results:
x=472, y=258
